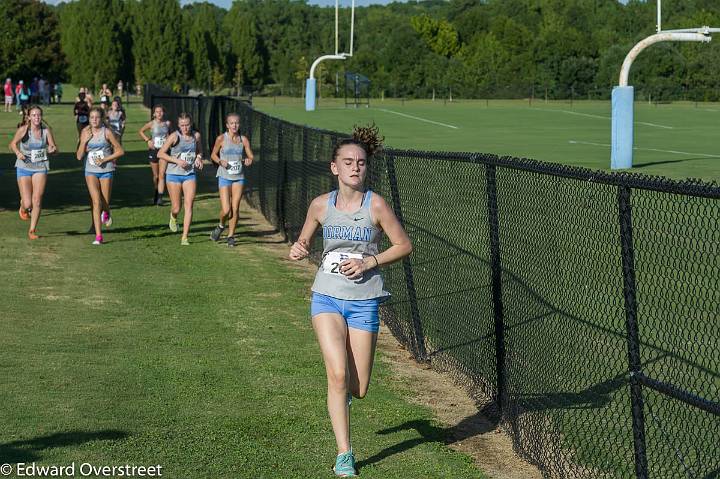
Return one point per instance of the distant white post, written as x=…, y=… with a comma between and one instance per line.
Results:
x=310, y=84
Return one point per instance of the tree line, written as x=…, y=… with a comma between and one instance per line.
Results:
x=463, y=48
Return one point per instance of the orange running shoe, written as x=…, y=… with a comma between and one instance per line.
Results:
x=32, y=235
x=23, y=214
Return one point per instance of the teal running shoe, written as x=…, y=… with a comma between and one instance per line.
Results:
x=345, y=465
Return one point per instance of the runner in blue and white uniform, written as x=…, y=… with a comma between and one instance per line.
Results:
x=182, y=153
x=32, y=144
x=348, y=286
x=81, y=112
x=228, y=153
x=159, y=129
x=99, y=149
x=116, y=119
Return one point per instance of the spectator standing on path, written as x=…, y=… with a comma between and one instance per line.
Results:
x=8, y=88
x=34, y=91
x=46, y=93
x=58, y=92
x=18, y=88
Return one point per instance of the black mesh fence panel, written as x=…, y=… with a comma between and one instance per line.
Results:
x=583, y=306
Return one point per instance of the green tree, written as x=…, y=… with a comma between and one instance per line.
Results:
x=92, y=42
x=205, y=42
x=244, y=45
x=30, y=40
x=439, y=35
x=218, y=79
x=159, y=43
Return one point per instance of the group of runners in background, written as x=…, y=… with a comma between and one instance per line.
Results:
x=174, y=156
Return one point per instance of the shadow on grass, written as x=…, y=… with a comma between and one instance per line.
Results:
x=484, y=421
x=488, y=418
x=653, y=163
x=29, y=450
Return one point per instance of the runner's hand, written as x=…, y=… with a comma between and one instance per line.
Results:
x=224, y=164
x=248, y=161
x=353, y=268
x=151, y=145
x=298, y=251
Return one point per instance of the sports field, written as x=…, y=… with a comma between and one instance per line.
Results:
x=677, y=140
x=200, y=359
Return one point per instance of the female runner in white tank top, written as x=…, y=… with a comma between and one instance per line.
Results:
x=348, y=286
x=99, y=149
x=159, y=128
x=228, y=153
x=182, y=153
x=32, y=144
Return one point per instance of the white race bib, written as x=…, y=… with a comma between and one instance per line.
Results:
x=234, y=167
x=333, y=260
x=159, y=141
x=94, y=157
x=188, y=157
x=38, y=156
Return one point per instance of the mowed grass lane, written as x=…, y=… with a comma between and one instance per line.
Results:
x=200, y=359
x=677, y=140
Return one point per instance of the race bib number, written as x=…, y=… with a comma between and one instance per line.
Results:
x=103, y=99
x=333, y=260
x=188, y=157
x=82, y=119
x=38, y=156
x=158, y=141
x=95, y=157
x=234, y=167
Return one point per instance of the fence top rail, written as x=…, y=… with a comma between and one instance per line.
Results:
x=689, y=187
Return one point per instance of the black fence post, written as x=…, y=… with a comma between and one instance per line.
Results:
x=281, y=183
x=496, y=273
x=419, y=337
x=633, y=335
x=305, y=170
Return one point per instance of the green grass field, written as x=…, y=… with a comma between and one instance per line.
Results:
x=677, y=140
x=199, y=359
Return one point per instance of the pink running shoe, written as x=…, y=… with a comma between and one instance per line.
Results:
x=105, y=218
x=98, y=240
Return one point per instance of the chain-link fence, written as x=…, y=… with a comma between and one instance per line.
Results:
x=584, y=305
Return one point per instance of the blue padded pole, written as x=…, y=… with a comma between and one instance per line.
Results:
x=310, y=94
x=621, y=154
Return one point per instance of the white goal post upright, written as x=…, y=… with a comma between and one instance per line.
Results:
x=310, y=84
x=621, y=153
